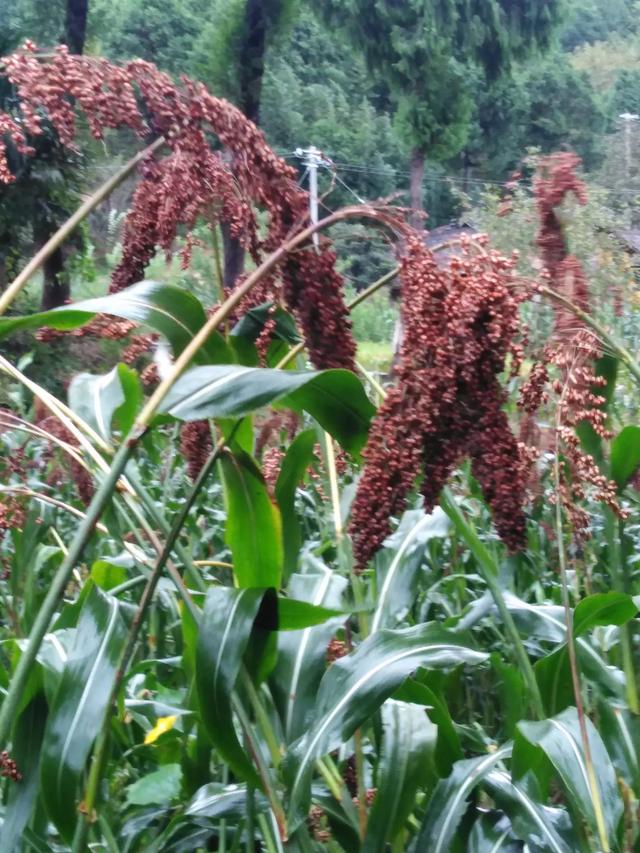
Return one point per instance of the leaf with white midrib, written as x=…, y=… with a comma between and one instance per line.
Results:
x=355, y=686
x=79, y=705
x=448, y=801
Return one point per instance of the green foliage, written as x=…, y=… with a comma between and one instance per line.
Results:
x=428, y=52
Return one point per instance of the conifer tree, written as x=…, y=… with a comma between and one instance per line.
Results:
x=427, y=52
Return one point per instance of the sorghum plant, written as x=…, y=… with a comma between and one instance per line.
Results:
x=197, y=652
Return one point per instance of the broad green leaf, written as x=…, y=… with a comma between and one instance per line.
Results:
x=560, y=739
x=215, y=800
x=156, y=788
x=398, y=562
x=226, y=627
x=625, y=455
x=355, y=686
x=302, y=655
x=292, y=470
x=406, y=763
x=620, y=730
x=511, y=692
x=335, y=398
x=26, y=750
x=170, y=310
x=253, y=527
x=253, y=321
x=294, y=615
x=448, y=749
x=96, y=398
x=448, y=802
x=603, y=608
x=492, y=834
x=108, y=574
x=79, y=705
x=546, y=622
x=125, y=414
x=545, y=830
x=553, y=675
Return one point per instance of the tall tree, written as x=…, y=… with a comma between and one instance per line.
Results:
x=232, y=56
x=75, y=24
x=428, y=51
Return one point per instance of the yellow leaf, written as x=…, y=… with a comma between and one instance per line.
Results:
x=164, y=724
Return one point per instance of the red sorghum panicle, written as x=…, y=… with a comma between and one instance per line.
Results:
x=9, y=768
x=459, y=326
x=79, y=474
x=191, y=181
x=336, y=649
x=196, y=445
x=572, y=352
x=555, y=179
x=271, y=462
x=279, y=426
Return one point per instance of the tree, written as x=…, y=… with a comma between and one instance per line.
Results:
x=428, y=52
x=47, y=185
x=159, y=31
x=546, y=105
x=232, y=56
x=75, y=25
x=625, y=97
x=590, y=21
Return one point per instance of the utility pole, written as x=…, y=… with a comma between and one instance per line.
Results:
x=313, y=159
x=628, y=119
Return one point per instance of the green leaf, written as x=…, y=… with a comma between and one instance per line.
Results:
x=406, y=763
x=294, y=465
x=253, y=527
x=545, y=830
x=96, y=398
x=294, y=615
x=448, y=802
x=26, y=750
x=398, y=562
x=125, y=414
x=253, y=321
x=170, y=310
x=355, y=686
x=546, y=622
x=215, y=800
x=156, y=788
x=625, y=455
x=302, y=655
x=226, y=627
x=491, y=835
x=553, y=675
x=79, y=705
x=560, y=739
x=620, y=730
x=335, y=398
x=603, y=608
x=108, y=574
x=448, y=749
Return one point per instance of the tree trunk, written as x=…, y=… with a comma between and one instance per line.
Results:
x=251, y=72
x=55, y=285
x=417, y=175
x=75, y=25
x=233, y=257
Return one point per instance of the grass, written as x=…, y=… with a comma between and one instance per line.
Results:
x=375, y=355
